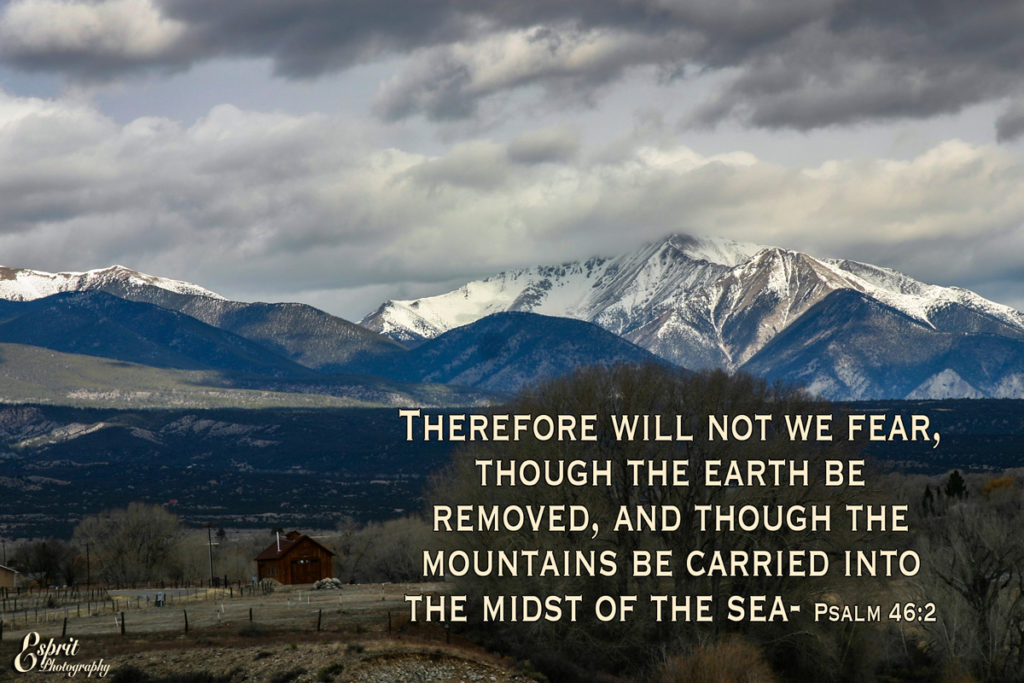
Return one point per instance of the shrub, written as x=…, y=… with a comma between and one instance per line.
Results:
x=328, y=673
x=729, y=660
x=287, y=676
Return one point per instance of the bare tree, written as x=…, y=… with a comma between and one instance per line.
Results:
x=380, y=551
x=975, y=572
x=47, y=562
x=131, y=545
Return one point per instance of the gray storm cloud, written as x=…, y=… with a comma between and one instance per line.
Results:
x=1010, y=124
x=790, y=64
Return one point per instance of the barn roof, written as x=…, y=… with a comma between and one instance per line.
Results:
x=288, y=542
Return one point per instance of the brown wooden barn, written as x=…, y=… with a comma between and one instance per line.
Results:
x=295, y=558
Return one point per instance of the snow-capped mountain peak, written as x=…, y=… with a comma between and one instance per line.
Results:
x=718, y=250
x=22, y=284
x=613, y=292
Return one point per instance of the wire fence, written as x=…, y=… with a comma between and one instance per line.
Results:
x=367, y=607
x=28, y=606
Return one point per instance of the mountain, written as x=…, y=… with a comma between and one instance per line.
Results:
x=303, y=334
x=852, y=346
x=130, y=339
x=37, y=375
x=710, y=303
x=619, y=294
x=22, y=284
x=746, y=308
x=505, y=352
x=92, y=348
x=95, y=323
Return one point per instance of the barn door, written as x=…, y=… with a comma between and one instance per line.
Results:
x=306, y=570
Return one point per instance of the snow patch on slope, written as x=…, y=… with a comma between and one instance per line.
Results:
x=946, y=384
x=917, y=299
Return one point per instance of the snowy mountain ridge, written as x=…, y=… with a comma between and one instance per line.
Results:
x=607, y=291
x=712, y=303
x=23, y=284
x=680, y=288
x=846, y=330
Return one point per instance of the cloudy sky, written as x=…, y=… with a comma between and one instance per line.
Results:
x=342, y=152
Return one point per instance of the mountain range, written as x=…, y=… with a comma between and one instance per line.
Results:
x=174, y=343
x=846, y=330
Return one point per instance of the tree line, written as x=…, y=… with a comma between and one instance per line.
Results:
x=144, y=544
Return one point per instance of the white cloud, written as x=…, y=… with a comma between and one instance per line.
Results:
x=245, y=201
x=120, y=29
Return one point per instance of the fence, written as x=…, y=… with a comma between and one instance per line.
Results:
x=372, y=608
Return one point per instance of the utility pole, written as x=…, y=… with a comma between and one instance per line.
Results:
x=209, y=535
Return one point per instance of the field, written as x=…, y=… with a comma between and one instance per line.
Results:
x=364, y=635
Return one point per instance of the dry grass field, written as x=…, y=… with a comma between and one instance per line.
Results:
x=364, y=635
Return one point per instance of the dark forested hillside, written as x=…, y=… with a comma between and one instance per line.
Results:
x=312, y=467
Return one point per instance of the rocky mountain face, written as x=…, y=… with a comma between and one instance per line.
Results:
x=620, y=294
x=850, y=345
